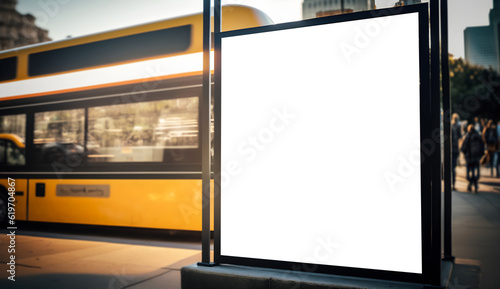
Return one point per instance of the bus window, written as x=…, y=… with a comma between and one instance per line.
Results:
x=15, y=155
x=142, y=132
x=12, y=135
x=59, y=136
x=11, y=154
x=2, y=152
x=9, y=68
x=13, y=124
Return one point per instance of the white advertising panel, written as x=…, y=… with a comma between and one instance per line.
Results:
x=320, y=145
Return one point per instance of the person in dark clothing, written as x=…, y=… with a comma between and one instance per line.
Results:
x=473, y=149
x=456, y=135
x=490, y=138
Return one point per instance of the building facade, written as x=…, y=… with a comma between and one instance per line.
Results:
x=480, y=47
x=17, y=29
x=481, y=43
x=319, y=8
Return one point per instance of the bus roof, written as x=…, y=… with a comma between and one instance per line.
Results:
x=24, y=59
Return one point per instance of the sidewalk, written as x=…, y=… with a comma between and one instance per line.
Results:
x=487, y=183
x=476, y=232
x=60, y=263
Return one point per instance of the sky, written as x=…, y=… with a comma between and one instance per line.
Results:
x=65, y=18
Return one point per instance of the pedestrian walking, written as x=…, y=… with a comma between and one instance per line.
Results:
x=456, y=135
x=473, y=149
x=490, y=138
x=477, y=125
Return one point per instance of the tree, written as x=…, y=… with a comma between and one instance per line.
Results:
x=475, y=90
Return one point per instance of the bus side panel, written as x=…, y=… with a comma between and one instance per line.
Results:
x=164, y=204
x=20, y=196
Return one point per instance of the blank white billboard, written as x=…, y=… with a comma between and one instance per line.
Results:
x=320, y=145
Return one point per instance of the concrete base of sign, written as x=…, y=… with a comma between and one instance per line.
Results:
x=241, y=277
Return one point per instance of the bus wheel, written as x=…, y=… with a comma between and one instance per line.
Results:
x=3, y=209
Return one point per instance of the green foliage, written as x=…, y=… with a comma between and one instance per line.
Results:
x=475, y=90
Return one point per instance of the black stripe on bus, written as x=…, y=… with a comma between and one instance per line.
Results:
x=8, y=68
x=131, y=47
x=108, y=176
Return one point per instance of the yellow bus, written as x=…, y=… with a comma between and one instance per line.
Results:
x=103, y=129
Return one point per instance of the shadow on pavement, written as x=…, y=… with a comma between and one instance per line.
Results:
x=466, y=274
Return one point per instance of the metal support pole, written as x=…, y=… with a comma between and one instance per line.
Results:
x=445, y=74
x=205, y=137
x=342, y=7
x=217, y=124
x=435, y=109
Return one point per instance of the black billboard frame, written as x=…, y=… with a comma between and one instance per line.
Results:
x=429, y=100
